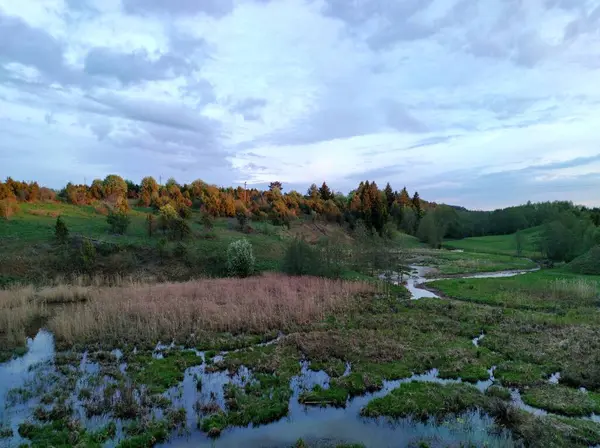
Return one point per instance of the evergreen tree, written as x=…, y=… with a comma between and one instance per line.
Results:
x=61, y=232
x=389, y=195
x=325, y=192
x=416, y=203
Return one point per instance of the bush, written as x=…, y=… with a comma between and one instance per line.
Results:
x=118, y=222
x=300, y=258
x=587, y=264
x=87, y=255
x=184, y=212
x=179, y=229
x=8, y=208
x=240, y=258
x=207, y=221
x=61, y=232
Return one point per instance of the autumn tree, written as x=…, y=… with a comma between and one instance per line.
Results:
x=313, y=192
x=148, y=191
x=97, y=189
x=114, y=187
x=404, y=199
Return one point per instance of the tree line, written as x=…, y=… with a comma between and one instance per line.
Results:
x=568, y=229
x=368, y=203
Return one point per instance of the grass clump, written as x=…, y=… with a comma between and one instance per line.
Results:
x=321, y=396
x=333, y=367
x=498, y=392
x=262, y=400
x=145, y=434
x=562, y=400
x=423, y=400
x=519, y=374
x=161, y=374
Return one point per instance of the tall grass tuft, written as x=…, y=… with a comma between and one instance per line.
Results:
x=578, y=288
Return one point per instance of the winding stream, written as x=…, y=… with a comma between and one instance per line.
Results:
x=419, y=276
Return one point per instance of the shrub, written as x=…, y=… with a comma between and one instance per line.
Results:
x=207, y=221
x=184, y=212
x=118, y=222
x=8, y=208
x=240, y=258
x=300, y=258
x=87, y=255
x=242, y=220
x=61, y=232
x=179, y=229
x=150, y=224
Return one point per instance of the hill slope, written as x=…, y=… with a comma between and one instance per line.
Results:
x=587, y=264
x=500, y=244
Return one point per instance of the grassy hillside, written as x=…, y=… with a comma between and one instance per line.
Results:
x=588, y=263
x=500, y=244
x=28, y=249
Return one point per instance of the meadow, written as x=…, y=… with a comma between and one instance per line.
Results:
x=501, y=244
x=166, y=350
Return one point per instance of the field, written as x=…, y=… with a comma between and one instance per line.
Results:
x=500, y=244
x=192, y=359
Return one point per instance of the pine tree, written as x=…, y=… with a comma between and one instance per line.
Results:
x=325, y=192
x=416, y=202
x=389, y=195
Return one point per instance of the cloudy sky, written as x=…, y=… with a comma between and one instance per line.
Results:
x=481, y=103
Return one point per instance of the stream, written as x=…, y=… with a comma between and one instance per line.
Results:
x=419, y=276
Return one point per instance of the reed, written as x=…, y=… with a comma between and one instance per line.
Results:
x=149, y=313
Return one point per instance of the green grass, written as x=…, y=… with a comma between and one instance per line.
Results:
x=498, y=392
x=161, y=374
x=520, y=374
x=547, y=290
x=423, y=400
x=500, y=244
x=562, y=400
x=587, y=264
x=320, y=396
x=454, y=263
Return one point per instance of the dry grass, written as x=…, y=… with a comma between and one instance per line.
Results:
x=149, y=313
x=17, y=312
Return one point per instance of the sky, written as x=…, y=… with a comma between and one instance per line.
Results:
x=480, y=103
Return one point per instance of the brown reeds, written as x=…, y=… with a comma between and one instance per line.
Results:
x=176, y=311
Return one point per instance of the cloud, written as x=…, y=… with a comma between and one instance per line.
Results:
x=216, y=8
x=130, y=68
x=470, y=102
x=249, y=108
x=33, y=47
